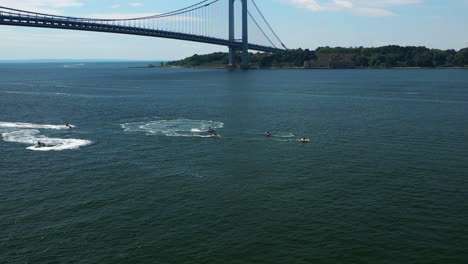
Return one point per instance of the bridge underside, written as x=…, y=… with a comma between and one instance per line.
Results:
x=41, y=22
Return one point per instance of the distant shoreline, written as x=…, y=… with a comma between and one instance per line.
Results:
x=385, y=57
x=295, y=68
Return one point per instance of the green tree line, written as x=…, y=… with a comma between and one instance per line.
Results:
x=387, y=56
x=397, y=56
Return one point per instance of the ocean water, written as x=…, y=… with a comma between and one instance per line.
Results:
x=137, y=179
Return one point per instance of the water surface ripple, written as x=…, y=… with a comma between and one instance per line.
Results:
x=383, y=179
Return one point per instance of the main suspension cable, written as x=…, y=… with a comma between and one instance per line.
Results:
x=268, y=24
x=261, y=29
x=168, y=14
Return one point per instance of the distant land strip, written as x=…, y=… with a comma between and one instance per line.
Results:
x=392, y=56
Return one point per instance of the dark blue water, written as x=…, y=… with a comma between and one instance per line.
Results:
x=138, y=180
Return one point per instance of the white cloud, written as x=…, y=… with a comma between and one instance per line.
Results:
x=372, y=12
x=135, y=4
x=343, y=4
x=390, y=2
x=42, y=6
x=115, y=6
x=370, y=8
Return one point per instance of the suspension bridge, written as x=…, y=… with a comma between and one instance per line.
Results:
x=244, y=29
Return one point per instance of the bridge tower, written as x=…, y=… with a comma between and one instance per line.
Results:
x=245, y=35
x=232, y=50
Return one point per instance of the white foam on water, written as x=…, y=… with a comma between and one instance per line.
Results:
x=175, y=134
x=36, y=93
x=174, y=128
x=32, y=136
x=283, y=134
x=32, y=126
x=73, y=65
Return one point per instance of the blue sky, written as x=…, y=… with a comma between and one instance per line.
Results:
x=439, y=24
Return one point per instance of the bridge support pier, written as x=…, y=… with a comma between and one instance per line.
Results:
x=232, y=55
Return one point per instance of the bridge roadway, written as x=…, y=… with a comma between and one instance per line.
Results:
x=46, y=22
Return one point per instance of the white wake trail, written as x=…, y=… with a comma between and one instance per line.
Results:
x=32, y=137
x=32, y=126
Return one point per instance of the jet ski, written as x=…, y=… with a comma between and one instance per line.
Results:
x=41, y=144
x=304, y=140
x=268, y=134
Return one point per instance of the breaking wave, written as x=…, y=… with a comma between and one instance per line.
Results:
x=174, y=128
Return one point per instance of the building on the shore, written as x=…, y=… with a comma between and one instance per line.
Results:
x=329, y=64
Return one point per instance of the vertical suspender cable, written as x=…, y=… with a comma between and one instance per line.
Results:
x=268, y=24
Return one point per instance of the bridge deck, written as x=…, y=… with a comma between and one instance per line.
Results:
x=70, y=24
